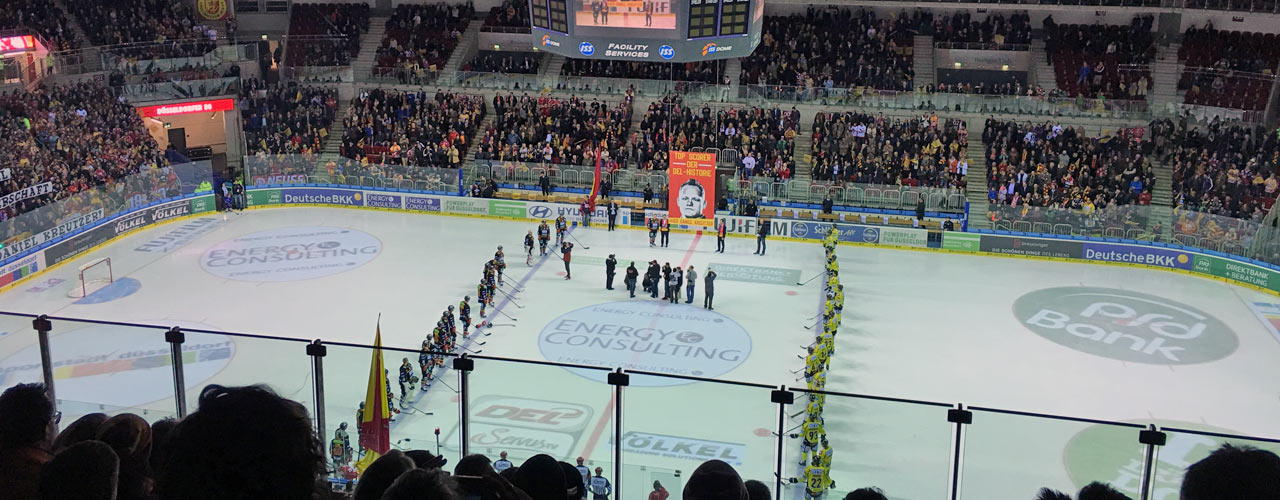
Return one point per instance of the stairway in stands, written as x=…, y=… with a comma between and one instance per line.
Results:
x=465, y=50
x=976, y=180
x=1044, y=75
x=1162, y=196
x=363, y=65
x=1165, y=72
x=332, y=149
x=922, y=61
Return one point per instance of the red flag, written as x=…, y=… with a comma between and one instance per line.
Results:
x=595, y=185
x=375, y=424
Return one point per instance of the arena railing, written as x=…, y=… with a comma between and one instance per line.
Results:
x=945, y=101
x=639, y=426
x=580, y=177
x=37, y=228
x=264, y=169
x=1145, y=223
x=180, y=89
x=982, y=46
x=878, y=196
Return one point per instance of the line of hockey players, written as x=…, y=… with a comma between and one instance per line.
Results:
x=815, y=450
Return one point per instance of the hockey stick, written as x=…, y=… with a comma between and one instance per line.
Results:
x=575, y=238
x=500, y=324
x=799, y=413
x=509, y=299
x=473, y=351
x=806, y=282
x=794, y=428
x=507, y=315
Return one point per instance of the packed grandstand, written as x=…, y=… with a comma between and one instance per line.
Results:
x=1115, y=126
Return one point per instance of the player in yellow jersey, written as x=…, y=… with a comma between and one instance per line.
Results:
x=815, y=479
x=824, y=461
x=811, y=432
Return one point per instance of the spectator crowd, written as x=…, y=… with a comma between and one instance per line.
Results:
x=829, y=48
x=286, y=119
x=1048, y=165
x=45, y=18
x=1228, y=69
x=419, y=39
x=557, y=131
x=76, y=137
x=1106, y=60
x=511, y=14
x=161, y=28
x=325, y=34
x=857, y=147
x=488, y=61
x=710, y=72
x=765, y=138
x=1225, y=170
x=206, y=456
x=993, y=32
x=416, y=129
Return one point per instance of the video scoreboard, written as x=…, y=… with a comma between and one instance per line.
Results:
x=647, y=30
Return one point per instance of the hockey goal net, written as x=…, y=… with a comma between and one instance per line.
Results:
x=93, y=275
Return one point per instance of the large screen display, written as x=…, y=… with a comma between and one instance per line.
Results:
x=647, y=30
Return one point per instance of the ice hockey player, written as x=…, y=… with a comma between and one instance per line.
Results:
x=562, y=226
x=500, y=263
x=528, y=249
x=544, y=236
x=406, y=379
x=426, y=361
x=340, y=447
x=482, y=295
x=653, y=230
x=812, y=432
x=815, y=479
x=451, y=322
x=464, y=314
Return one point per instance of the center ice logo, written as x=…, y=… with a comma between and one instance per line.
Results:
x=291, y=253
x=1125, y=325
x=649, y=336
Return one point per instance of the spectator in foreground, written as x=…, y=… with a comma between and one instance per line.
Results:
x=715, y=480
x=658, y=493
x=1100, y=491
x=541, y=477
x=423, y=484
x=249, y=433
x=757, y=490
x=87, y=470
x=83, y=429
x=872, y=493
x=130, y=437
x=27, y=425
x=1233, y=472
x=380, y=475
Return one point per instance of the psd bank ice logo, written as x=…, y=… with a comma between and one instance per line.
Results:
x=648, y=336
x=586, y=48
x=1125, y=325
x=291, y=254
x=666, y=51
x=548, y=42
x=539, y=212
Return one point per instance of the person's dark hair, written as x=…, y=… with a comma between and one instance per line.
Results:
x=473, y=465
x=248, y=433
x=1048, y=494
x=83, y=471
x=375, y=480
x=25, y=413
x=694, y=183
x=1100, y=491
x=541, y=477
x=83, y=429
x=423, y=484
x=130, y=437
x=573, y=489
x=1233, y=472
x=161, y=430
x=757, y=490
x=870, y=493
x=714, y=480
x=423, y=459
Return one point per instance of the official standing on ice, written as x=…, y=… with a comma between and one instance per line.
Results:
x=610, y=264
x=630, y=279
x=709, y=282
x=761, y=234
x=721, y=229
x=502, y=464
x=613, y=214
x=565, y=249
x=691, y=278
x=600, y=487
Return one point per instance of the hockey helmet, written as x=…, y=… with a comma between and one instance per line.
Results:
x=466, y=298
x=450, y=308
x=343, y=425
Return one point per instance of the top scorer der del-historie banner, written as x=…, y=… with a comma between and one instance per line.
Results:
x=691, y=188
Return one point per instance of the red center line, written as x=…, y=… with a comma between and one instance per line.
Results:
x=607, y=415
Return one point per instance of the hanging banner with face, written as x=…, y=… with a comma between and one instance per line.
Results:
x=691, y=184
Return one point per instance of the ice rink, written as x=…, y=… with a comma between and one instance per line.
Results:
x=1006, y=333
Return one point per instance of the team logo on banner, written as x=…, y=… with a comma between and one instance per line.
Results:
x=691, y=179
x=212, y=9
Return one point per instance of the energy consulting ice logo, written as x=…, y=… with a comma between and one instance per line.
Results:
x=586, y=48
x=291, y=254
x=666, y=51
x=1125, y=325
x=649, y=336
